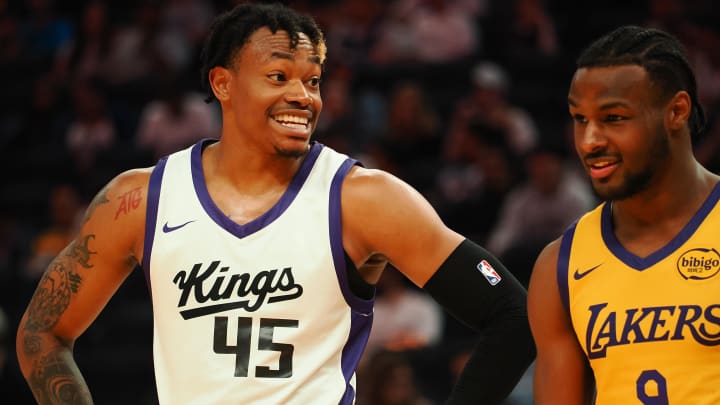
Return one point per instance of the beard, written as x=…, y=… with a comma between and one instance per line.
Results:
x=635, y=182
x=294, y=153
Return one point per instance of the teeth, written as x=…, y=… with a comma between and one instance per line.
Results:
x=294, y=126
x=600, y=165
x=292, y=121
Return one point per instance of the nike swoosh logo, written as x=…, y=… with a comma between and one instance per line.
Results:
x=166, y=228
x=578, y=275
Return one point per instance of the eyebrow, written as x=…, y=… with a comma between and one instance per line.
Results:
x=606, y=106
x=289, y=56
x=614, y=104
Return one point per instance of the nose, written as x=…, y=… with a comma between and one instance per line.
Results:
x=298, y=93
x=589, y=137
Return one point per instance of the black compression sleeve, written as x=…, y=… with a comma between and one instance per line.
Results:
x=465, y=286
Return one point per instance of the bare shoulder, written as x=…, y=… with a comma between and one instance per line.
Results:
x=381, y=214
x=544, y=273
x=129, y=186
x=545, y=309
x=379, y=191
x=548, y=257
x=119, y=208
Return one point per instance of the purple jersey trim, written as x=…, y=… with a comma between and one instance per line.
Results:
x=642, y=263
x=263, y=220
x=336, y=243
x=151, y=213
x=362, y=310
x=562, y=266
x=360, y=325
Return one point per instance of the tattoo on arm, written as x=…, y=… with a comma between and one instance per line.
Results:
x=52, y=297
x=81, y=252
x=129, y=201
x=54, y=377
x=57, y=285
x=31, y=344
x=55, y=381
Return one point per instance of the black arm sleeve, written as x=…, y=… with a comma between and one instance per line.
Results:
x=466, y=287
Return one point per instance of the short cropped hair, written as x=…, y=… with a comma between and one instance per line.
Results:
x=231, y=30
x=662, y=56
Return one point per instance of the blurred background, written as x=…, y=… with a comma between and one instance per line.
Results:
x=463, y=99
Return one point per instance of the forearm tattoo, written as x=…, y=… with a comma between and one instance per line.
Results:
x=55, y=381
x=54, y=377
x=57, y=285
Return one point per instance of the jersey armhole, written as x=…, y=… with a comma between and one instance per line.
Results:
x=347, y=274
x=563, y=263
x=151, y=213
x=357, y=284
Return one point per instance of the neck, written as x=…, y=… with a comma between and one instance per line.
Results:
x=677, y=196
x=248, y=167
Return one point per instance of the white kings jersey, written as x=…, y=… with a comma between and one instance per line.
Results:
x=260, y=313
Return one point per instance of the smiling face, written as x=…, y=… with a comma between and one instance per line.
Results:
x=271, y=93
x=618, y=128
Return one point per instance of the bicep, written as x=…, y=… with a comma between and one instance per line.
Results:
x=81, y=279
x=561, y=372
x=382, y=214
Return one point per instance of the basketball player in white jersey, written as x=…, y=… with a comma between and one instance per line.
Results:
x=261, y=249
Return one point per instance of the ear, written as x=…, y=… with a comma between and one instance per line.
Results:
x=678, y=111
x=220, y=79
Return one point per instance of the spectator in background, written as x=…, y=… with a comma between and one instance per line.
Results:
x=404, y=318
x=540, y=208
x=426, y=32
x=533, y=28
x=176, y=119
x=488, y=104
x=189, y=18
x=87, y=54
x=469, y=192
x=43, y=33
x=142, y=50
x=394, y=42
x=390, y=380
x=39, y=123
x=523, y=30
x=350, y=27
x=337, y=126
x=92, y=128
x=443, y=32
x=701, y=42
x=65, y=209
x=412, y=136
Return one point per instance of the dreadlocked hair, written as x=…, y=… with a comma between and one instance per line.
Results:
x=231, y=30
x=662, y=56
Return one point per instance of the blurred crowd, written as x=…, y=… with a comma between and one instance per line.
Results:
x=463, y=99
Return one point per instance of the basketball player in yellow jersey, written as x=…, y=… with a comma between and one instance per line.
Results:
x=625, y=305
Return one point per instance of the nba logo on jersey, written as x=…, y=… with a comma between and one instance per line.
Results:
x=490, y=274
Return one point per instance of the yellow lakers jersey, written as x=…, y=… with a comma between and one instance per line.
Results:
x=650, y=326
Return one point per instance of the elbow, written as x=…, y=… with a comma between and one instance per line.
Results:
x=24, y=347
x=32, y=343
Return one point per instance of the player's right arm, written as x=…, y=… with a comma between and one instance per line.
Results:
x=76, y=286
x=562, y=373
